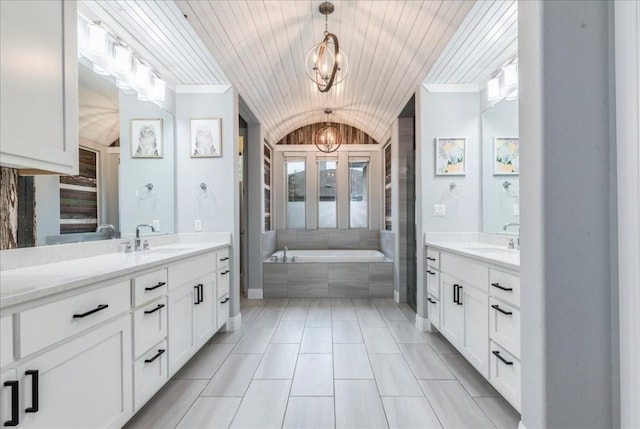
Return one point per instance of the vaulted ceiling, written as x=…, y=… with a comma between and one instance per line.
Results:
x=259, y=47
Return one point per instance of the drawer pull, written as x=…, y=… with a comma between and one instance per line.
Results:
x=429, y=258
x=35, y=396
x=155, y=309
x=495, y=307
x=431, y=301
x=15, y=405
x=431, y=272
x=456, y=294
x=224, y=273
x=157, y=355
x=497, y=354
x=199, y=293
x=90, y=312
x=160, y=284
x=224, y=259
x=225, y=301
x=508, y=289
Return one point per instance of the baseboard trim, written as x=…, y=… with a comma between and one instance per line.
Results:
x=254, y=293
x=521, y=425
x=234, y=323
x=422, y=324
x=396, y=296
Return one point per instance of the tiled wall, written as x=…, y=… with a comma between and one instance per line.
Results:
x=320, y=280
x=387, y=244
x=328, y=239
x=268, y=244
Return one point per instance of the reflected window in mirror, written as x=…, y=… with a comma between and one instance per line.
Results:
x=79, y=195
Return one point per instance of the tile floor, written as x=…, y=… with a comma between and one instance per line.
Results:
x=327, y=363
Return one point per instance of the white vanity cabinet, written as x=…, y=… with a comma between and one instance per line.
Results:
x=39, y=86
x=432, y=279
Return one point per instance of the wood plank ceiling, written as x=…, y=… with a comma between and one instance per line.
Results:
x=259, y=47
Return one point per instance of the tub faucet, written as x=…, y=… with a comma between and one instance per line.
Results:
x=108, y=227
x=284, y=255
x=138, y=247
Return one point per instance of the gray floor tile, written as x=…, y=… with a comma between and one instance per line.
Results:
x=351, y=361
x=379, y=340
x=313, y=376
x=453, y=405
x=410, y=413
x=370, y=318
x=268, y=317
x=393, y=375
x=296, y=310
x=389, y=310
x=500, y=412
x=346, y=332
x=255, y=340
x=288, y=331
x=309, y=413
x=206, y=362
x=231, y=337
x=250, y=312
x=316, y=340
x=263, y=406
x=319, y=314
x=342, y=309
x=439, y=343
x=234, y=375
x=405, y=332
x=425, y=363
x=279, y=362
x=468, y=376
x=210, y=413
x=169, y=405
x=358, y=405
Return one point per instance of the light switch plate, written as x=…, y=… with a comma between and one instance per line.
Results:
x=439, y=210
x=197, y=225
x=516, y=209
x=156, y=224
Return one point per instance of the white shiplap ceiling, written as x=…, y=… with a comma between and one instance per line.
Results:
x=259, y=46
x=98, y=116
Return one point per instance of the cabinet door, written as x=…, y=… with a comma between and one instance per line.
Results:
x=83, y=383
x=475, y=340
x=39, y=85
x=451, y=318
x=182, y=338
x=206, y=311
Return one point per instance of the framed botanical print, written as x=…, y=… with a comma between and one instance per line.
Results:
x=506, y=156
x=146, y=138
x=206, y=138
x=451, y=156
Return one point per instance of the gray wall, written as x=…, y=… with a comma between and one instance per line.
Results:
x=219, y=211
x=567, y=215
x=406, y=207
x=254, y=163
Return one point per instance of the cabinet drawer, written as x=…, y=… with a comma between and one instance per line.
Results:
x=469, y=272
x=150, y=372
x=149, y=325
x=149, y=286
x=191, y=269
x=223, y=310
x=222, y=259
x=504, y=326
x=223, y=282
x=433, y=282
x=433, y=311
x=505, y=374
x=433, y=259
x=505, y=286
x=6, y=341
x=45, y=325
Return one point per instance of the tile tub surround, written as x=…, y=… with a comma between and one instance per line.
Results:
x=316, y=239
x=364, y=392
x=332, y=280
x=268, y=244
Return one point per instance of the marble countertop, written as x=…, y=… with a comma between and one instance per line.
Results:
x=484, y=252
x=24, y=284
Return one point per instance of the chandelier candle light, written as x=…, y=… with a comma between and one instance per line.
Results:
x=326, y=64
x=328, y=138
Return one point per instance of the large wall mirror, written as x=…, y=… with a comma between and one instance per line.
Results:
x=126, y=169
x=500, y=169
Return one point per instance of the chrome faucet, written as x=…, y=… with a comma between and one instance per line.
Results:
x=108, y=227
x=512, y=245
x=138, y=247
x=507, y=225
x=284, y=256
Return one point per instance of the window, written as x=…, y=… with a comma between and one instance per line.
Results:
x=358, y=193
x=387, y=187
x=327, y=195
x=267, y=187
x=79, y=196
x=296, y=193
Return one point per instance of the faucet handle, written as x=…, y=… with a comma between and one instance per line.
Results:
x=127, y=246
x=145, y=245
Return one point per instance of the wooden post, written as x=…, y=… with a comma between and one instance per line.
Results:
x=8, y=208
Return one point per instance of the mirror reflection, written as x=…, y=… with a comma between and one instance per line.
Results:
x=500, y=170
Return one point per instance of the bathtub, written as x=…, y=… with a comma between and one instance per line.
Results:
x=329, y=256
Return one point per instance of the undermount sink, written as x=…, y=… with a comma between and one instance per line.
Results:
x=492, y=250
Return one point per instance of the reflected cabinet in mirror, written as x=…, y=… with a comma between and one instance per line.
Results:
x=500, y=168
x=126, y=178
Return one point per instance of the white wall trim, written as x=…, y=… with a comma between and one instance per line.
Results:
x=521, y=425
x=234, y=323
x=627, y=67
x=202, y=89
x=254, y=293
x=396, y=296
x=423, y=324
x=451, y=87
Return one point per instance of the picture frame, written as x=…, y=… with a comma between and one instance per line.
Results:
x=146, y=138
x=506, y=156
x=206, y=138
x=451, y=156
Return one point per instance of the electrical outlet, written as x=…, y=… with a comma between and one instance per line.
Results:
x=516, y=209
x=198, y=225
x=439, y=210
x=156, y=224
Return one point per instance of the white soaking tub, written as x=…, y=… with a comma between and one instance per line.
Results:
x=328, y=256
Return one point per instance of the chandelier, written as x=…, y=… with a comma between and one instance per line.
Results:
x=328, y=138
x=326, y=64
